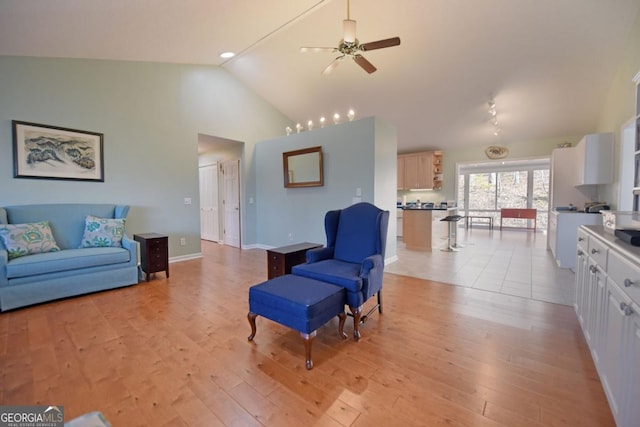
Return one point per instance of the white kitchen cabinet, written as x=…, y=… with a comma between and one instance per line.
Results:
x=563, y=179
x=582, y=276
x=594, y=160
x=610, y=367
x=608, y=307
x=562, y=234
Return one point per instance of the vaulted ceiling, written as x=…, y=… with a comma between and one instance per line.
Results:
x=547, y=63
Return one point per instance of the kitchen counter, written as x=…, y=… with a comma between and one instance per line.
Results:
x=422, y=228
x=407, y=208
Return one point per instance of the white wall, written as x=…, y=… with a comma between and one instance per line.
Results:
x=151, y=115
x=359, y=154
x=620, y=106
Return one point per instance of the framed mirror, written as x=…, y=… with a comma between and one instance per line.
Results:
x=303, y=168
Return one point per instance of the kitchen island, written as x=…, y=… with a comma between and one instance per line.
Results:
x=422, y=228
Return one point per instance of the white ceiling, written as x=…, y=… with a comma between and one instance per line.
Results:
x=547, y=63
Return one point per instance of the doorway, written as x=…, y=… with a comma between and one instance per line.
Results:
x=219, y=180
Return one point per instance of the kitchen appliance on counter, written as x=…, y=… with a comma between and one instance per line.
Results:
x=595, y=207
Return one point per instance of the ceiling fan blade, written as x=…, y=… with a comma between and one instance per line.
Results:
x=394, y=41
x=332, y=65
x=366, y=65
x=318, y=49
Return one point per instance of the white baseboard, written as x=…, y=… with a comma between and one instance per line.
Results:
x=185, y=257
x=257, y=246
x=391, y=259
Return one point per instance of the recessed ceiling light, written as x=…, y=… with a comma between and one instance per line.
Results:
x=226, y=55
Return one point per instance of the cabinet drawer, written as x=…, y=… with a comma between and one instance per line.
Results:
x=625, y=275
x=598, y=252
x=583, y=240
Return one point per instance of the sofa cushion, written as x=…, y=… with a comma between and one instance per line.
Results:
x=68, y=259
x=27, y=239
x=102, y=232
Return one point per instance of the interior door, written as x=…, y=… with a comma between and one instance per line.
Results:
x=231, y=202
x=209, y=213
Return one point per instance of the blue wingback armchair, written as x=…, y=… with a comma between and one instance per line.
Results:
x=353, y=257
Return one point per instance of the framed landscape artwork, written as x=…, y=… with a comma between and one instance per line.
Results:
x=50, y=152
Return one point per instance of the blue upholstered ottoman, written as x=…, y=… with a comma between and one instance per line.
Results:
x=300, y=303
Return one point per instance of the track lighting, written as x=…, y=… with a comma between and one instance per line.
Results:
x=493, y=112
x=351, y=115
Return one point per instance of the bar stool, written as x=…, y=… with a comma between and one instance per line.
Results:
x=453, y=222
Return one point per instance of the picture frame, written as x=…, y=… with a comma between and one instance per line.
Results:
x=52, y=152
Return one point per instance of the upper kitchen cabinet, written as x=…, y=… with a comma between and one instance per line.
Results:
x=563, y=180
x=417, y=171
x=594, y=159
x=401, y=161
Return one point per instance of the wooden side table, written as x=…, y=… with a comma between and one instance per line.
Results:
x=280, y=260
x=154, y=253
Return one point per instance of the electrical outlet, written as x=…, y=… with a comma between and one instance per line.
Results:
x=291, y=237
x=187, y=200
x=183, y=241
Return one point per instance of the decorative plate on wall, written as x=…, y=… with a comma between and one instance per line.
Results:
x=496, y=152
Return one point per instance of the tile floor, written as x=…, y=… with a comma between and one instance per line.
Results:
x=511, y=261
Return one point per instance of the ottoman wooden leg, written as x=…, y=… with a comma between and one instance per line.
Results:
x=308, y=340
x=357, y=314
x=252, y=321
x=343, y=318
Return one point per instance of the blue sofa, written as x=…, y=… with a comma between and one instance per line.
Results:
x=71, y=271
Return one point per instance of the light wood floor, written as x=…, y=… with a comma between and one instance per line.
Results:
x=175, y=353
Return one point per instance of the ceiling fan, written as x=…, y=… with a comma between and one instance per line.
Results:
x=350, y=46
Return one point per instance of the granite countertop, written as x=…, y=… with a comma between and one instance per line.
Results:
x=415, y=208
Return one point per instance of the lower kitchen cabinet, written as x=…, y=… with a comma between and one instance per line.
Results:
x=608, y=308
x=561, y=236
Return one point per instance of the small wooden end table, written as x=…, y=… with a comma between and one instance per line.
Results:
x=280, y=260
x=154, y=253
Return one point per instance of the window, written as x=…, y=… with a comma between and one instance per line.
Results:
x=485, y=188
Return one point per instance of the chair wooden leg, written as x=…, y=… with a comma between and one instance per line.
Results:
x=343, y=318
x=357, y=313
x=252, y=321
x=308, y=341
x=380, y=301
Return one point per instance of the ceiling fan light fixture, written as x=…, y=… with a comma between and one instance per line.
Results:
x=350, y=46
x=349, y=31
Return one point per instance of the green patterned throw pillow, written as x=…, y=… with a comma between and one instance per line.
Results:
x=28, y=239
x=102, y=232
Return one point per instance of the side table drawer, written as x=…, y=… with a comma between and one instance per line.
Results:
x=276, y=265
